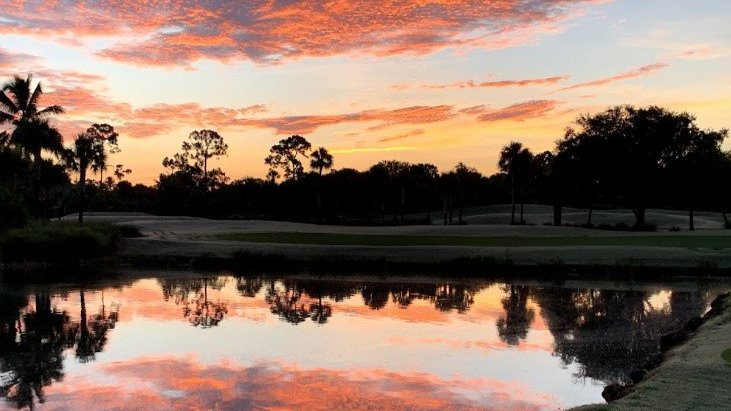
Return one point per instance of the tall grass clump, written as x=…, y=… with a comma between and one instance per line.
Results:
x=64, y=243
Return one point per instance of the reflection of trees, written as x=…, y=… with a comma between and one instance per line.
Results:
x=249, y=286
x=192, y=295
x=285, y=302
x=92, y=332
x=375, y=295
x=609, y=333
x=444, y=296
x=34, y=358
x=320, y=312
x=453, y=297
x=513, y=326
x=404, y=294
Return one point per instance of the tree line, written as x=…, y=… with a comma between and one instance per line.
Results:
x=623, y=157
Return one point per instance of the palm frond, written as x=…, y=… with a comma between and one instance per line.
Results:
x=50, y=110
x=5, y=117
x=33, y=101
x=7, y=103
x=21, y=90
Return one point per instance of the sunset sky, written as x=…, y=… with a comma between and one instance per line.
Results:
x=437, y=81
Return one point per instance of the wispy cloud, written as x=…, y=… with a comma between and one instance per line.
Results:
x=402, y=136
x=516, y=112
x=627, y=75
x=544, y=81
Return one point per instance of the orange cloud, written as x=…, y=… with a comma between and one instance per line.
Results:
x=404, y=135
x=308, y=124
x=179, y=383
x=627, y=75
x=516, y=112
x=179, y=32
x=486, y=84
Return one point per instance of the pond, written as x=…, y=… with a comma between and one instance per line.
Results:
x=161, y=340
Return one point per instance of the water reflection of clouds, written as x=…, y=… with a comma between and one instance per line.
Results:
x=187, y=383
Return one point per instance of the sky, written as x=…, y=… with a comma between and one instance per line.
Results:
x=439, y=81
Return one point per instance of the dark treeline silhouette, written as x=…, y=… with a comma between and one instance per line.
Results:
x=624, y=157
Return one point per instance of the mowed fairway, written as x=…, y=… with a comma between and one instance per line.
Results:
x=716, y=242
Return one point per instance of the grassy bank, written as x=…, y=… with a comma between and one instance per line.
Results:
x=61, y=243
x=685, y=241
x=694, y=375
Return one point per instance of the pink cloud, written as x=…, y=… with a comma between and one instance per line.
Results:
x=486, y=84
x=284, y=386
x=627, y=75
x=178, y=32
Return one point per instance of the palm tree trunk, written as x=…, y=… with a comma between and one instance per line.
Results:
x=522, y=203
x=461, y=207
x=82, y=193
x=691, y=219
x=451, y=209
x=639, y=213
x=428, y=211
x=557, y=209
x=588, y=218
x=512, y=199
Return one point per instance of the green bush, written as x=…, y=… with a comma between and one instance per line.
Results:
x=59, y=242
x=12, y=212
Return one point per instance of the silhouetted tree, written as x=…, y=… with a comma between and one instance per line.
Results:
x=516, y=162
x=105, y=136
x=87, y=152
x=646, y=142
x=120, y=172
x=19, y=107
x=320, y=160
x=203, y=145
x=286, y=154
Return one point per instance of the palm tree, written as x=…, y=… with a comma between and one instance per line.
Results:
x=515, y=161
x=80, y=157
x=321, y=159
x=35, y=135
x=19, y=106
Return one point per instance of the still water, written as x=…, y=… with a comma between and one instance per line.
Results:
x=159, y=340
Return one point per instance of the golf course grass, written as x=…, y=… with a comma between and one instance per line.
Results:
x=699, y=241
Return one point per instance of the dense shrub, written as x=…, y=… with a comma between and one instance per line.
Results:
x=59, y=242
x=12, y=212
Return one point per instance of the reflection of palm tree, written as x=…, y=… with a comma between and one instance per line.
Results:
x=93, y=331
x=36, y=359
x=320, y=312
x=514, y=325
